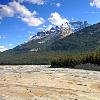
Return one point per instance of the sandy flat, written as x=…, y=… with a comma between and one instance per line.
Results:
x=42, y=83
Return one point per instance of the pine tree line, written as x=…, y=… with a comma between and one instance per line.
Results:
x=72, y=61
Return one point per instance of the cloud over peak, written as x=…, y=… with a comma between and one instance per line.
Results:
x=56, y=19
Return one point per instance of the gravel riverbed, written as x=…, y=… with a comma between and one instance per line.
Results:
x=38, y=82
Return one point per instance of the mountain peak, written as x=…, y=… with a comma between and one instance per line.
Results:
x=61, y=31
x=65, y=30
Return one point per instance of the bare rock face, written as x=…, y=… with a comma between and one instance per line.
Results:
x=65, y=30
x=61, y=31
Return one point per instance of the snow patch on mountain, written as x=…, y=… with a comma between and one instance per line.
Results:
x=62, y=31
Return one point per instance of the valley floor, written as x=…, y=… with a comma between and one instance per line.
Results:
x=41, y=83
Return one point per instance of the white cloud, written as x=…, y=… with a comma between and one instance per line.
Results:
x=20, y=11
x=44, y=26
x=33, y=21
x=40, y=28
x=10, y=44
x=3, y=48
x=38, y=2
x=49, y=27
x=58, y=4
x=56, y=19
x=91, y=4
x=6, y=11
x=95, y=3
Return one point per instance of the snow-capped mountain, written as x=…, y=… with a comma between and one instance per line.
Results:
x=65, y=30
x=62, y=31
x=53, y=32
x=41, y=52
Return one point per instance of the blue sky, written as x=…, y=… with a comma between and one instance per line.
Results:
x=21, y=19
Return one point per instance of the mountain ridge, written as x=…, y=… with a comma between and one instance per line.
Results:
x=33, y=52
x=66, y=28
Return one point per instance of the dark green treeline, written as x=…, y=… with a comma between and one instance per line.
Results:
x=72, y=61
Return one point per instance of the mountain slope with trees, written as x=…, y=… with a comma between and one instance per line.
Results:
x=34, y=52
x=85, y=40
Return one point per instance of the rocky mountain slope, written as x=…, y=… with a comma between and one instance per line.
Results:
x=43, y=50
x=61, y=31
x=43, y=40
